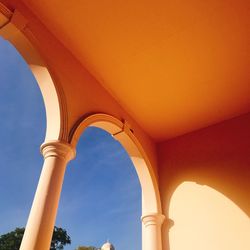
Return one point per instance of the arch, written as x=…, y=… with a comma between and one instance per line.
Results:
x=13, y=27
x=122, y=132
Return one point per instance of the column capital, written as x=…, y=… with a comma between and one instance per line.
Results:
x=153, y=219
x=59, y=149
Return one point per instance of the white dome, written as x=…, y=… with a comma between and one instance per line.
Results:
x=108, y=246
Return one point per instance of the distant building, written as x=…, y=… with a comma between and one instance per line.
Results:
x=107, y=246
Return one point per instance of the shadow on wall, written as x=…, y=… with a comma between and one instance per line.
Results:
x=217, y=156
x=205, y=219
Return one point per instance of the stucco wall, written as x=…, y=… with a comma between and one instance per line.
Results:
x=217, y=156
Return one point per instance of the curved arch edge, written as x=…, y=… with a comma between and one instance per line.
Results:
x=122, y=132
x=14, y=29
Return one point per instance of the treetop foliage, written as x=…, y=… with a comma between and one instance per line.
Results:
x=13, y=239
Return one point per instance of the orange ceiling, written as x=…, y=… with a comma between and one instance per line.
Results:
x=175, y=66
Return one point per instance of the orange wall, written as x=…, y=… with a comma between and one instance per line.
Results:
x=217, y=156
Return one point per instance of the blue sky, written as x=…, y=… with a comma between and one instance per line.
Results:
x=101, y=196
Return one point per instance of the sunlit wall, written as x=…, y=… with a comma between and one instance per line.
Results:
x=204, y=219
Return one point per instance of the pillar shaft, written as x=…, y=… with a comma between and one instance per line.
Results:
x=40, y=225
x=152, y=231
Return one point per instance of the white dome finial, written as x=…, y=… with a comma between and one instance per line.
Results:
x=107, y=246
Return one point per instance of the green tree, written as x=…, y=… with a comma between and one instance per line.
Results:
x=60, y=238
x=13, y=239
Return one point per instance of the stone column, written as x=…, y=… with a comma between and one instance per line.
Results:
x=42, y=216
x=152, y=231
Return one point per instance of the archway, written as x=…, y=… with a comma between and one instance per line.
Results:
x=13, y=28
x=151, y=205
x=101, y=194
x=121, y=132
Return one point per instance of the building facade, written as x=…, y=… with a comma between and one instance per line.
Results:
x=169, y=81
